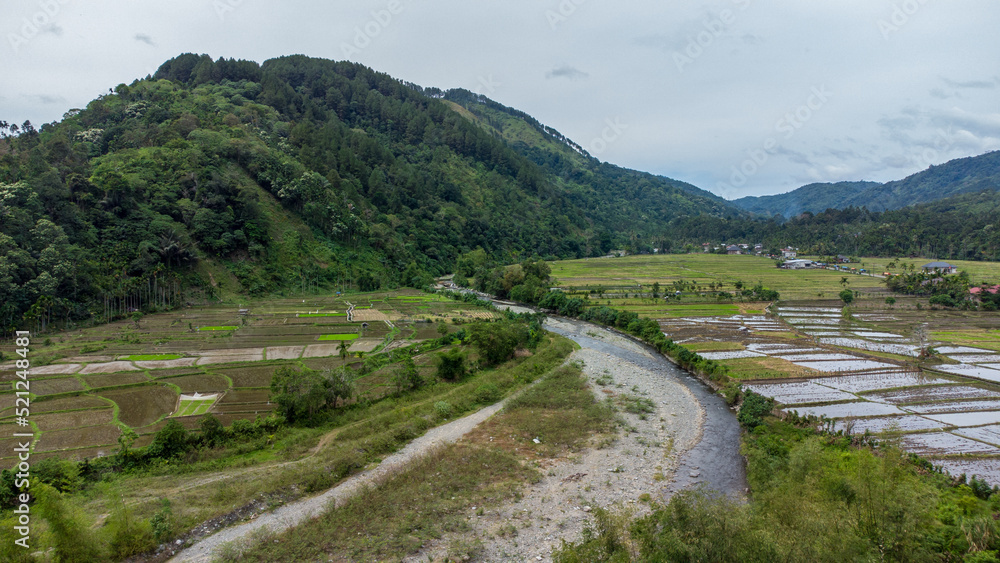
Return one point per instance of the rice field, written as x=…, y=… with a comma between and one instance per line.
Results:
x=633, y=274
x=338, y=337
x=134, y=373
x=191, y=405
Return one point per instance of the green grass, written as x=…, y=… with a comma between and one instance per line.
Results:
x=310, y=315
x=616, y=275
x=217, y=328
x=194, y=407
x=152, y=357
x=338, y=337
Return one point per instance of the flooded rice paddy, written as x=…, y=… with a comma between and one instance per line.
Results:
x=865, y=378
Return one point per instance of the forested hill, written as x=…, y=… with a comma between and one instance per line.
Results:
x=955, y=177
x=960, y=176
x=566, y=159
x=813, y=198
x=235, y=177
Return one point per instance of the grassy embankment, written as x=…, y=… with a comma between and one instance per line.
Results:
x=433, y=496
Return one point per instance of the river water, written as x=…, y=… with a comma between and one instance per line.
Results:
x=714, y=463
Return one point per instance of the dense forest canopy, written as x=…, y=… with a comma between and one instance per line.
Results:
x=289, y=175
x=215, y=177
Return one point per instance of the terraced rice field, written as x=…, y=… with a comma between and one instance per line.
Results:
x=89, y=381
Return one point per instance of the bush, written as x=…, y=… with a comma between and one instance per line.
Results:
x=443, y=410
x=487, y=394
x=497, y=341
x=944, y=300
x=847, y=296
x=753, y=410
x=62, y=474
x=451, y=364
x=71, y=534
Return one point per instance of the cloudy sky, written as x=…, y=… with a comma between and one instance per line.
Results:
x=740, y=97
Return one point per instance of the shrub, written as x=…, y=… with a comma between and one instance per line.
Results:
x=487, y=394
x=753, y=410
x=451, y=365
x=847, y=296
x=944, y=300
x=443, y=409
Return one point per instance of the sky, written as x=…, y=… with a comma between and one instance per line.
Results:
x=739, y=97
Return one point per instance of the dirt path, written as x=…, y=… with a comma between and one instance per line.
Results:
x=294, y=513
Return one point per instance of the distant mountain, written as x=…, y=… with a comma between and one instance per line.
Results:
x=814, y=198
x=960, y=176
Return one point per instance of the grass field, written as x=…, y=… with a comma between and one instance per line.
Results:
x=338, y=337
x=978, y=271
x=151, y=357
x=217, y=328
x=194, y=407
x=635, y=274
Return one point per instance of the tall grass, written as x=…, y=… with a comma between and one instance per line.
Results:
x=432, y=496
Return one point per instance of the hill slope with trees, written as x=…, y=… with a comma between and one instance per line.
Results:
x=225, y=176
x=955, y=177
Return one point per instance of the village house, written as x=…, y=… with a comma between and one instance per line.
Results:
x=789, y=253
x=976, y=293
x=733, y=249
x=798, y=264
x=942, y=267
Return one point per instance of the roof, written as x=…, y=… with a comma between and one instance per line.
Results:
x=938, y=265
x=732, y=247
x=991, y=290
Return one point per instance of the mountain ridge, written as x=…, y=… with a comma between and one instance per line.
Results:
x=958, y=176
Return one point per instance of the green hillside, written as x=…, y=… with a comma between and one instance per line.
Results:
x=215, y=178
x=813, y=198
x=960, y=176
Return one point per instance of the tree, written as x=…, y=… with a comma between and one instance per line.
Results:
x=170, y=441
x=339, y=384
x=298, y=394
x=212, y=431
x=847, y=296
x=451, y=364
x=656, y=290
x=406, y=377
x=497, y=341
x=890, y=301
